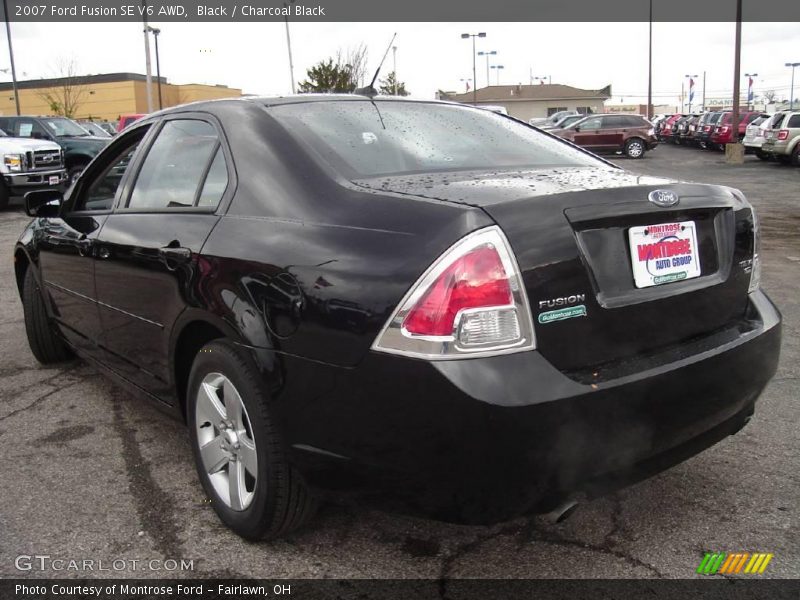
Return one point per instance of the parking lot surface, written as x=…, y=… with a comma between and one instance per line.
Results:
x=88, y=472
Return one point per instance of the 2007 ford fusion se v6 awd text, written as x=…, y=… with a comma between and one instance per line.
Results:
x=430, y=300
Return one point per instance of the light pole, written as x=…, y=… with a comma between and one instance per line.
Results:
x=750, y=96
x=11, y=56
x=498, y=67
x=394, y=68
x=155, y=31
x=691, y=79
x=148, y=70
x=542, y=79
x=791, y=93
x=465, y=36
x=289, y=43
x=487, y=54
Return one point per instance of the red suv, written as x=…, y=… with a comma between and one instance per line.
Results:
x=632, y=135
x=665, y=131
x=723, y=131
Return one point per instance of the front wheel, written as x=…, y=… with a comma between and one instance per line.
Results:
x=634, y=148
x=74, y=173
x=796, y=156
x=238, y=452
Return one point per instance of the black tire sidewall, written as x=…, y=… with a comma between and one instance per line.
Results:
x=257, y=520
x=5, y=196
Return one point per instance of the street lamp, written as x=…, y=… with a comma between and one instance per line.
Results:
x=791, y=94
x=498, y=67
x=289, y=43
x=465, y=36
x=750, y=88
x=487, y=54
x=542, y=79
x=11, y=56
x=691, y=79
x=155, y=31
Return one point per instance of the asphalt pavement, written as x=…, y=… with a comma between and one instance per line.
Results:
x=90, y=473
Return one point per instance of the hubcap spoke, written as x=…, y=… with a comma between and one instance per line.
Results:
x=209, y=408
x=236, y=484
x=233, y=404
x=247, y=454
x=214, y=457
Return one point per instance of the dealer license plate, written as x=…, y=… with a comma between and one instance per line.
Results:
x=54, y=179
x=664, y=253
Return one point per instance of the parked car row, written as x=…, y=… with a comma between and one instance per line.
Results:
x=767, y=136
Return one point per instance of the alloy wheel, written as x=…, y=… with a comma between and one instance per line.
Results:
x=225, y=439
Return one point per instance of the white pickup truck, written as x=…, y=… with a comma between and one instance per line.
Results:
x=28, y=164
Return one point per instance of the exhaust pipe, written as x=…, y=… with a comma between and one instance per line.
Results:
x=562, y=512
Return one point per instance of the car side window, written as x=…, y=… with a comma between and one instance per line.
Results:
x=590, y=124
x=183, y=158
x=611, y=123
x=30, y=129
x=102, y=191
x=794, y=122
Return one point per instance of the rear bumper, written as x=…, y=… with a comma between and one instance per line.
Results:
x=773, y=147
x=486, y=439
x=21, y=183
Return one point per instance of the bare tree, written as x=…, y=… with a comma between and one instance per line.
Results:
x=66, y=96
x=353, y=60
x=769, y=96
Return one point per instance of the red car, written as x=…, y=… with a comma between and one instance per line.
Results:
x=126, y=120
x=665, y=132
x=723, y=131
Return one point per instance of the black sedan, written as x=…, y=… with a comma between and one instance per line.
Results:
x=341, y=292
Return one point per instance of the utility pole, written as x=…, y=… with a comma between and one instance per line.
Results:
x=155, y=31
x=148, y=69
x=704, y=91
x=650, y=68
x=735, y=151
x=11, y=56
x=474, y=69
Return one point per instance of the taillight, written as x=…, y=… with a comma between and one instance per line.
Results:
x=470, y=302
x=706, y=128
x=724, y=129
x=783, y=134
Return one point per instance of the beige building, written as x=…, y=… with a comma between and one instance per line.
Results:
x=534, y=101
x=104, y=97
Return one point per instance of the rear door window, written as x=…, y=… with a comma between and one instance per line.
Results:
x=794, y=122
x=184, y=168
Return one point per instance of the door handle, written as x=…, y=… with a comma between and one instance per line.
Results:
x=172, y=255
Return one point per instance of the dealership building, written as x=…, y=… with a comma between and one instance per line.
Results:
x=105, y=97
x=534, y=101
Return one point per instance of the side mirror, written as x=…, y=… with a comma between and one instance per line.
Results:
x=577, y=128
x=43, y=203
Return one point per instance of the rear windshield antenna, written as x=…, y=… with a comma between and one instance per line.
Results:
x=370, y=89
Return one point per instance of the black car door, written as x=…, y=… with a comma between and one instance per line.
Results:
x=148, y=249
x=67, y=245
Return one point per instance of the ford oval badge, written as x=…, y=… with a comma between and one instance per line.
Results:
x=663, y=198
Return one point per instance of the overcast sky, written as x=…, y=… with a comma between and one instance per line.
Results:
x=430, y=56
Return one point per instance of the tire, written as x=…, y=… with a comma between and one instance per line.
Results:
x=761, y=154
x=45, y=343
x=784, y=159
x=796, y=156
x=74, y=172
x=4, y=196
x=635, y=148
x=271, y=498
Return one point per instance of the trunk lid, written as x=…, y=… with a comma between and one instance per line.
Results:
x=569, y=229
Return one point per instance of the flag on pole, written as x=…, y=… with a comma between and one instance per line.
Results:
x=467, y=83
x=750, y=89
x=691, y=90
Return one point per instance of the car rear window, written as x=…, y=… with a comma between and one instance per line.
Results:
x=366, y=139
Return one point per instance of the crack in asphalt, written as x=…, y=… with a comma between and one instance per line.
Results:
x=39, y=399
x=154, y=507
